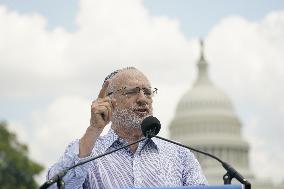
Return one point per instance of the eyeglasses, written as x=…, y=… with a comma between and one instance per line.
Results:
x=136, y=90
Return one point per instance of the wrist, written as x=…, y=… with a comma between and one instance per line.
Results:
x=84, y=148
x=88, y=141
x=96, y=130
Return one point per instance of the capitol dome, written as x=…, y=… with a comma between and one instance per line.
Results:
x=205, y=98
x=205, y=119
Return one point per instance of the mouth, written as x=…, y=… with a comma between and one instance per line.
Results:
x=141, y=111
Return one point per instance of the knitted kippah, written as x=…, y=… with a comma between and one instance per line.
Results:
x=112, y=74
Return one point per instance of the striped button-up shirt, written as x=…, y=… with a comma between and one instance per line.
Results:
x=155, y=163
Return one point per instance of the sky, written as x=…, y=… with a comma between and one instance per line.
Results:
x=55, y=54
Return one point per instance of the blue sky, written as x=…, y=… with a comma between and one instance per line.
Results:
x=196, y=17
x=48, y=71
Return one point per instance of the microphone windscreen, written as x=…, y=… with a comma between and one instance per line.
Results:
x=150, y=126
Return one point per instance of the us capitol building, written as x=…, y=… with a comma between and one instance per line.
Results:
x=205, y=119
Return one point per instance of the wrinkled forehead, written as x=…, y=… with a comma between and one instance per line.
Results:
x=130, y=78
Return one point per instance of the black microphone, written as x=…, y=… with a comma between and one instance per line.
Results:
x=147, y=131
x=151, y=126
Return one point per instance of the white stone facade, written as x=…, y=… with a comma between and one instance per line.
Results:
x=205, y=119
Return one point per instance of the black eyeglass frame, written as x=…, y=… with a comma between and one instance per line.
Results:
x=135, y=92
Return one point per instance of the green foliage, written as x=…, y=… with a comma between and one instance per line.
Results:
x=16, y=169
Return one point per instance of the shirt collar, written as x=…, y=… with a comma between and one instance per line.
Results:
x=111, y=138
x=107, y=140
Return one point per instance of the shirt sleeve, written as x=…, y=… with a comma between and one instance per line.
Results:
x=192, y=174
x=75, y=178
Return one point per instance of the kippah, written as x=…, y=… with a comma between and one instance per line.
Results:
x=111, y=75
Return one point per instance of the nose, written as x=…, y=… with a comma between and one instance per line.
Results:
x=142, y=98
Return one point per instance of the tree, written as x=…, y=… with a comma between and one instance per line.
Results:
x=16, y=169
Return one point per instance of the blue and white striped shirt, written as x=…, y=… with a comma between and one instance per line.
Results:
x=155, y=163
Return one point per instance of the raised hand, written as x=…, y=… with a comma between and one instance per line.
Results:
x=101, y=112
x=101, y=109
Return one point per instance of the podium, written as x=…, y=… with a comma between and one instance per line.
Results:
x=228, y=186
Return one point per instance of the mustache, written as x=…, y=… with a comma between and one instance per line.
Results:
x=138, y=107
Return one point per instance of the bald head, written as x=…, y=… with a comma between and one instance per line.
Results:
x=127, y=77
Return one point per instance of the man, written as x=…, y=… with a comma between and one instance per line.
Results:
x=125, y=100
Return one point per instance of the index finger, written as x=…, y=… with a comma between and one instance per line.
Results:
x=102, y=93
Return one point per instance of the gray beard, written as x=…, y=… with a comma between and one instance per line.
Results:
x=127, y=117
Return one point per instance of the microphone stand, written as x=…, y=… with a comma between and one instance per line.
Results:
x=58, y=177
x=231, y=172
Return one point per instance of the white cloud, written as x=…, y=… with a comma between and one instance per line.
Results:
x=51, y=130
x=245, y=60
x=31, y=57
x=64, y=120
x=110, y=35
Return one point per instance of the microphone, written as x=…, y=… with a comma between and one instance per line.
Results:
x=150, y=128
x=148, y=131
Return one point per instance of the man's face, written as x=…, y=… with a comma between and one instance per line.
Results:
x=132, y=104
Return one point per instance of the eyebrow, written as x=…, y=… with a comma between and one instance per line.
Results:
x=137, y=86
